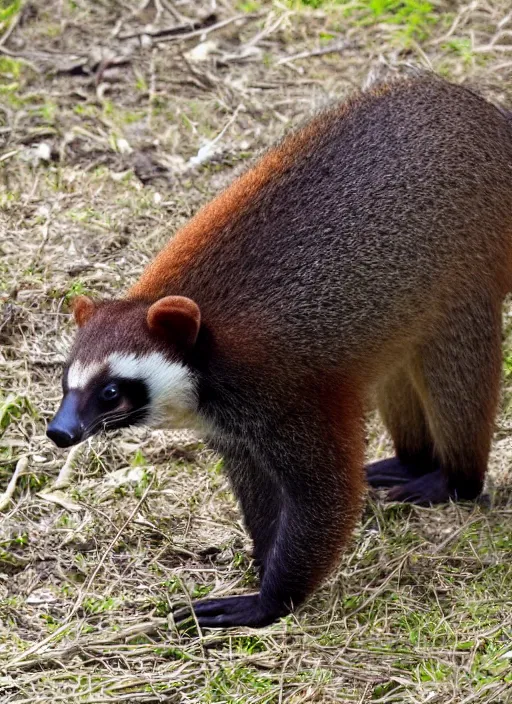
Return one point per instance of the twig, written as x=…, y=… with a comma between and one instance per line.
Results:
x=10, y=29
x=37, y=646
x=492, y=47
x=331, y=49
x=453, y=27
x=266, y=31
x=114, y=540
x=167, y=5
x=8, y=155
x=500, y=67
x=206, y=152
x=164, y=36
x=183, y=28
x=20, y=57
x=200, y=79
x=21, y=466
x=152, y=88
x=505, y=20
x=66, y=473
x=144, y=628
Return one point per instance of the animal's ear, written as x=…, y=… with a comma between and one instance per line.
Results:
x=83, y=309
x=177, y=317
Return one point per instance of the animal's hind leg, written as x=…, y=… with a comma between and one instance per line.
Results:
x=459, y=375
x=403, y=413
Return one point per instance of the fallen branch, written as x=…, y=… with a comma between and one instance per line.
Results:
x=6, y=497
x=163, y=35
x=331, y=49
x=66, y=473
x=61, y=654
x=175, y=30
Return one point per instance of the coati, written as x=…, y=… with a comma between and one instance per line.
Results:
x=369, y=251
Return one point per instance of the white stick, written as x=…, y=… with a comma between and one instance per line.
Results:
x=21, y=466
x=66, y=473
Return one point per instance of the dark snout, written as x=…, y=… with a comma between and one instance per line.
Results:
x=66, y=428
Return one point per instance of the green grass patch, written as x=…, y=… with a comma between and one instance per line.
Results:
x=99, y=605
x=12, y=408
x=8, y=10
x=407, y=19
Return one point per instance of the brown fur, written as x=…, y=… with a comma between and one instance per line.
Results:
x=83, y=309
x=179, y=315
x=211, y=220
x=341, y=409
x=370, y=249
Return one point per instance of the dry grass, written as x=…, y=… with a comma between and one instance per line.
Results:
x=100, y=132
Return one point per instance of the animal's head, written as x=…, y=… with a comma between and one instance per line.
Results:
x=127, y=367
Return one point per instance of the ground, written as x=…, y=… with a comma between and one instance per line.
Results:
x=117, y=121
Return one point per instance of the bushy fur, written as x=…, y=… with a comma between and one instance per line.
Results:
x=370, y=250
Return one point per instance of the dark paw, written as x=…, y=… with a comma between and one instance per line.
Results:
x=391, y=472
x=427, y=490
x=416, y=484
x=231, y=611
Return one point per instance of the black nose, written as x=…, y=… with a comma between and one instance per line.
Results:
x=63, y=437
x=66, y=429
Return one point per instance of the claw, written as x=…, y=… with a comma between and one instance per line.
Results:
x=244, y=610
x=391, y=472
x=429, y=489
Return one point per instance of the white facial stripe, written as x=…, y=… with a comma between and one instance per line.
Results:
x=171, y=386
x=79, y=375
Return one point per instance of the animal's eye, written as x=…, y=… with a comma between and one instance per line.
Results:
x=110, y=392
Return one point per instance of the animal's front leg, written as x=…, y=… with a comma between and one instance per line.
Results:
x=260, y=499
x=244, y=610
x=321, y=488
x=308, y=542
x=248, y=609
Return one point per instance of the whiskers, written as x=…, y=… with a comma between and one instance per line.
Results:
x=113, y=417
x=152, y=415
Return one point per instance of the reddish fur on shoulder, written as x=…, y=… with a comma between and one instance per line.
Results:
x=177, y=315
x=208, y=223
x=83, y=309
